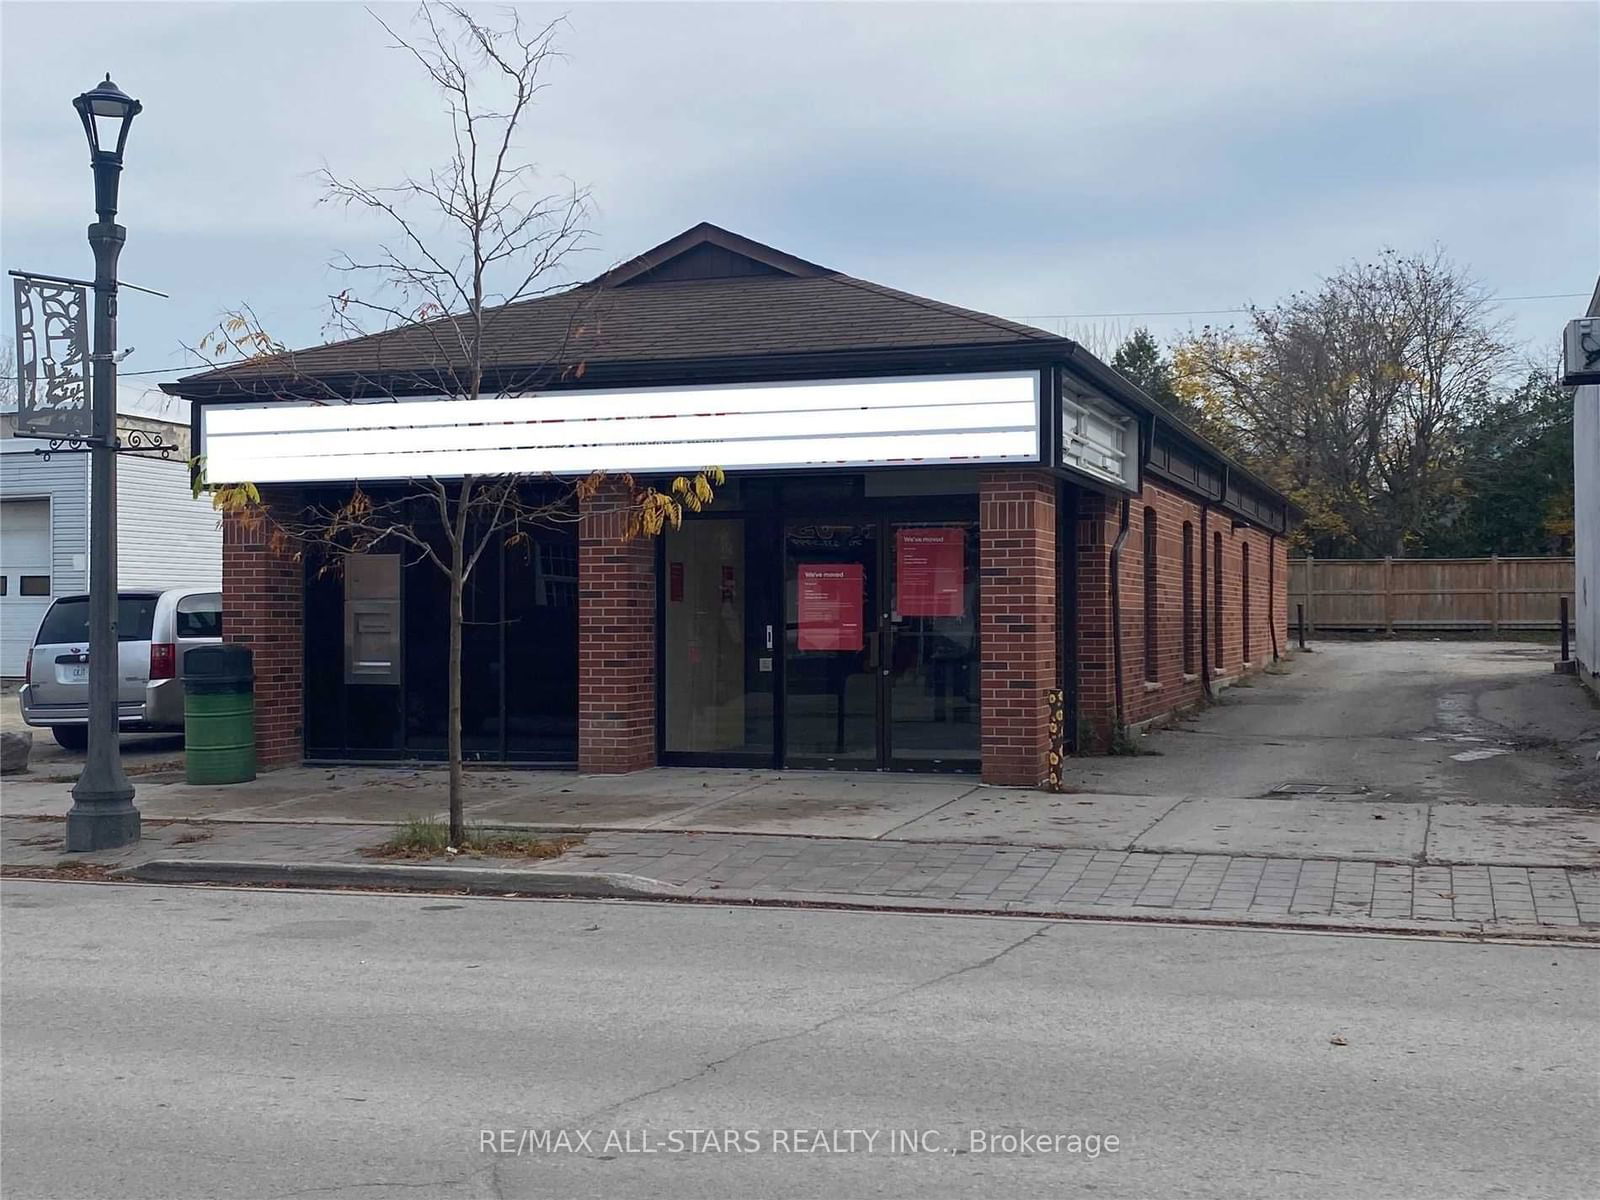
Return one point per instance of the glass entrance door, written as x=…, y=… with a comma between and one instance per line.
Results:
x=932, y=671
x=832, y=644
x=881, y=643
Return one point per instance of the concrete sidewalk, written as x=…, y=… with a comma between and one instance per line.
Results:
x=1422, y=752
x=868, y=873
x=1370, y=784
x=879, y=807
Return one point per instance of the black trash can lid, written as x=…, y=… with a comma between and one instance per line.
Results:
x=227, y=662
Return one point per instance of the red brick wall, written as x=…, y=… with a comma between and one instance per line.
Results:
x=1228, y=661
x=616, y=641
x=1090, y=610
x=263, y=607
x=1017, y=521
x=1150, y=693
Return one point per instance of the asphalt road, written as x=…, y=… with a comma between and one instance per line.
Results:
x=165, y=1042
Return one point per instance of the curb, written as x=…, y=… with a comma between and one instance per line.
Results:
x=492, y=880
x=622, y=886
x=558, y=828
x=1127, y=914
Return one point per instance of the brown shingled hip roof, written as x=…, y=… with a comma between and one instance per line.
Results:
x=705, y=294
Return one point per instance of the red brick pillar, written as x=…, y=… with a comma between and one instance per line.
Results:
x=616, y=640
x=1099, y=519
x=1017, y=520
x=263, y=607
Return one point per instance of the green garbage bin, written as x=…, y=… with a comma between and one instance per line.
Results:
x=219, y=714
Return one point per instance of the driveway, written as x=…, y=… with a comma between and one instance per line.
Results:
x=1452, y=722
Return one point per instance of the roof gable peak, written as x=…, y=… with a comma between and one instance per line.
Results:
x=708, y=252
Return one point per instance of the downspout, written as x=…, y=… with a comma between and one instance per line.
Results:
x=1116, y=613
x=1272, y=590
x=1205, y=602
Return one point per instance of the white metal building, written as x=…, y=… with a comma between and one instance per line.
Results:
x=1586, y=510
x=166, y=538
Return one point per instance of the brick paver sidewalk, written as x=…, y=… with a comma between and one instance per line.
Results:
x=951, y=875
x=1023, y=878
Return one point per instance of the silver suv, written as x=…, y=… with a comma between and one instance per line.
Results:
x=154, y=629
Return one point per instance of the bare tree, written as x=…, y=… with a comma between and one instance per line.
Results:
x=1353, y=398
x=1100, y=338
x=467, y=240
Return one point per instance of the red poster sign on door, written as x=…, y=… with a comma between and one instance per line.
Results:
x=930, y=573
x=829, y=597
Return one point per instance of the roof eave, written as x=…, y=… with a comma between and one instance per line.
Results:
x=1018, y=354
x=1123, y=389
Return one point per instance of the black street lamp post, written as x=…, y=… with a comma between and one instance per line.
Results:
x=103, y=814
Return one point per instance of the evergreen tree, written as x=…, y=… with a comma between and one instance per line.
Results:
x=1514, y=491
x=1141, y=362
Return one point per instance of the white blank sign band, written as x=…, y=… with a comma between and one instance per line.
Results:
x=980, y=418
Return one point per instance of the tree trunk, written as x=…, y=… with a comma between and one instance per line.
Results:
x=458, y=586
x=458, y=825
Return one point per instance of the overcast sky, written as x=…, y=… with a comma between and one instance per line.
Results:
x=1033, y=161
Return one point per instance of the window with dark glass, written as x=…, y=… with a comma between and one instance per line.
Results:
x=68, y=620
x=1244, y=600
x=1216, y=599
x=1188, y=599
x=199, y=617
x=34, y=585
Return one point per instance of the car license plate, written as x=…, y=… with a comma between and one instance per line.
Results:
x=72, y=673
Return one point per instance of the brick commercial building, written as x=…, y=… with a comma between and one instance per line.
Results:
x=934, y=520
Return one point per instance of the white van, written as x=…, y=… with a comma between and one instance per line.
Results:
x=154, y=630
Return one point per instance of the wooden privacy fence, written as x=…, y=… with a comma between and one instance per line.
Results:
x=1392, y=594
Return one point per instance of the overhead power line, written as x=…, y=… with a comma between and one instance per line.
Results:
x=1217, y=312
x=1176, y=312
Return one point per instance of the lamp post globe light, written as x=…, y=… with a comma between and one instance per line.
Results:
x=102, y=813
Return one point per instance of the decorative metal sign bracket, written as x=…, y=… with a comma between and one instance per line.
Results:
x=127, y=441
x=53, y=369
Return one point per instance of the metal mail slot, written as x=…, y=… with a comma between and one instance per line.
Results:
x=372, y=619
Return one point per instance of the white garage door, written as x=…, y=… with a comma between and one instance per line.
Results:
x=25, y=583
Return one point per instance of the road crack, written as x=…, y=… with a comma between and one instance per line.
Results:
x=331, y=1189
x=854, y=1010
